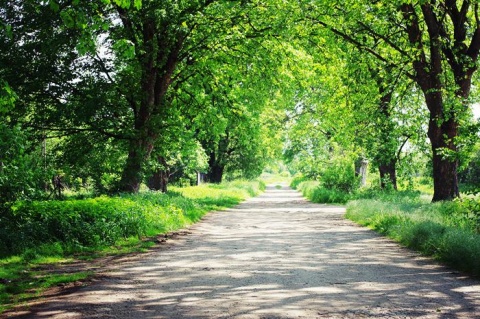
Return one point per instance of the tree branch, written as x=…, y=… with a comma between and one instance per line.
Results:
x=401, y=146
x=474, y=48
x=415, y=38
x=351, y=40
x=103, y=67
x=384, y=38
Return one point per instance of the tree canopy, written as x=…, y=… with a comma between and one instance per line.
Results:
x=124, y=93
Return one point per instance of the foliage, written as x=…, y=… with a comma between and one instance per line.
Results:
x=315, y=192
x=96, y=222
x=469, y=176
x=415, y=39
x=297, y=180
x=447, y=231
x=468, y=212
x=21, y=171
x=340, y=175
x=110, y=102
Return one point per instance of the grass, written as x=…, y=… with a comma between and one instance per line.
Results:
x=22, y=281
x=445, y=231
x=118, y=225
x=318, y=194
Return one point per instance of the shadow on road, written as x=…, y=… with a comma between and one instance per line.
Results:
x=275, y=256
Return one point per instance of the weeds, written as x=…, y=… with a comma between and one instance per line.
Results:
x=315, y=192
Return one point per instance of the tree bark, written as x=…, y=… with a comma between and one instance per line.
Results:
x=132, y=176
x=442, y=134
x=159, y=179
x=215, y=169
x=443, y=124
x=158, y=55
x=388, y=174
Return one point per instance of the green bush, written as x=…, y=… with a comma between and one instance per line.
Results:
x=20, y=171
x=318, y=194
x=297, y=180
x=340, y=176
x=77, y=225
x=425, y=236
x=89, y=222
x=461, y=250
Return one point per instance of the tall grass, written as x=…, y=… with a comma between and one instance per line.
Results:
x=75, y=224
x=445, y=231
x=316, y=193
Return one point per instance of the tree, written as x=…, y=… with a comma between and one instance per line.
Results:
x=169, y=38
x=386, y=115
x=440, y=40
x=117, y=73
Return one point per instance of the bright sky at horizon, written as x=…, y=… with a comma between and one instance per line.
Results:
x=476, y=110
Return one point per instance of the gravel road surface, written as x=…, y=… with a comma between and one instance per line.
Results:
x=273, y=257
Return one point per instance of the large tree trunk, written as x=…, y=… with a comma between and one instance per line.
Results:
x=132, y=175
x=388, y=174
x=215, y=169
x=429, y=68
x=157, y=51
x=217, y=160
x=442, y=133
x=215, y=175
x=159, y=179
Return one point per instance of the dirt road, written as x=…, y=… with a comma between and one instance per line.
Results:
x=274, y=256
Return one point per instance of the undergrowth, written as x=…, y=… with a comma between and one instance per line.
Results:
x=51, y=232
x=444, y=231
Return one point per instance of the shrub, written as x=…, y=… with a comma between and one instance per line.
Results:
x=88, y=223
x=297, y=180
x=318, y=194
x=424, y=236
x=461, y=250
x=340, y=176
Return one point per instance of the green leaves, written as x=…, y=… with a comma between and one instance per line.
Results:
x=124, y=48
x=54, y=5
x=7, y=97
x=127, y=4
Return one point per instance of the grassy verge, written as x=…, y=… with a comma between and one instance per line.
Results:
x=317, y=194
x=38, y=236
x=446, y=231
